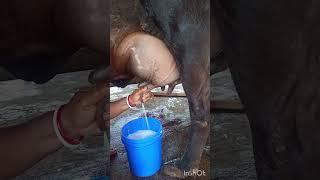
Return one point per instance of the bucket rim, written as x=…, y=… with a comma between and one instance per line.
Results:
x=147, y=140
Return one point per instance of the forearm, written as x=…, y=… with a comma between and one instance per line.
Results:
x=24, y=145
x=118, y=107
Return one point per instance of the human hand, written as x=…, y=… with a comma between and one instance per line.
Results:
x=82, y=114
x=99, y=75
x=171, y=86
x=140, y=95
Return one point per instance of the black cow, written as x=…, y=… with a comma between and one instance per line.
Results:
x=185, y=26
x=38, y=37
x=273, y=50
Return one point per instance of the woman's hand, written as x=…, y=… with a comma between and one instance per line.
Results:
x=140, y=95
x=81, y=116
x=99, y=75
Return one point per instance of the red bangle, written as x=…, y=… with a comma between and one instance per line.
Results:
x=129, y=101
x=63, y=132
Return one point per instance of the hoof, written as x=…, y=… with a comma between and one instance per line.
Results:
x=172, y=171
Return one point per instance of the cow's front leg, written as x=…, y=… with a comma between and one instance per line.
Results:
x=195, y=79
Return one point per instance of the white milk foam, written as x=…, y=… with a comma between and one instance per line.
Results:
x=141, y=134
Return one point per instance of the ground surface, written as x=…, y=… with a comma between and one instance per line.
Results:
x=231, y=144
x=20, y=101
x=231, y=147
x=231, y=151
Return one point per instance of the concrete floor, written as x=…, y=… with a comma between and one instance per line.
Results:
x=20, y=101
x=232, y=154
x=231, y=147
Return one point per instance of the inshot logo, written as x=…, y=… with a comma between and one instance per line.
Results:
x=194, y=172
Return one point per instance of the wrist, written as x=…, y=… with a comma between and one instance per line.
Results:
x=61, y=133
x=131, y=105
x=68, y=129
x=130, y=101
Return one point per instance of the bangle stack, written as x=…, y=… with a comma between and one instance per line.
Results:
x=128, y=103
x=60, y=132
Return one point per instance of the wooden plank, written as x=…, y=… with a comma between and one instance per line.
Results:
x=226, y=105
x=215, y=105
x=164, y=94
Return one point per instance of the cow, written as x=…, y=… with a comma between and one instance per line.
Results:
x=272, y=49
x=39, y=37
x=51, y=30
x=184, y=27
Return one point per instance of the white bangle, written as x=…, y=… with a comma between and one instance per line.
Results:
x=56, y=130
x=127, y=100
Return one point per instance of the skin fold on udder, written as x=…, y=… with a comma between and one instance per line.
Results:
x=146, y=57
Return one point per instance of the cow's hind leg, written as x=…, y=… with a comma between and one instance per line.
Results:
x=195, y=79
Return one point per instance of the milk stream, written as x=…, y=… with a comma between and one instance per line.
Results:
x=145, y=115
x=141, y=134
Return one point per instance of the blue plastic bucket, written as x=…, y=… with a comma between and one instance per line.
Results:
x=144, y=155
